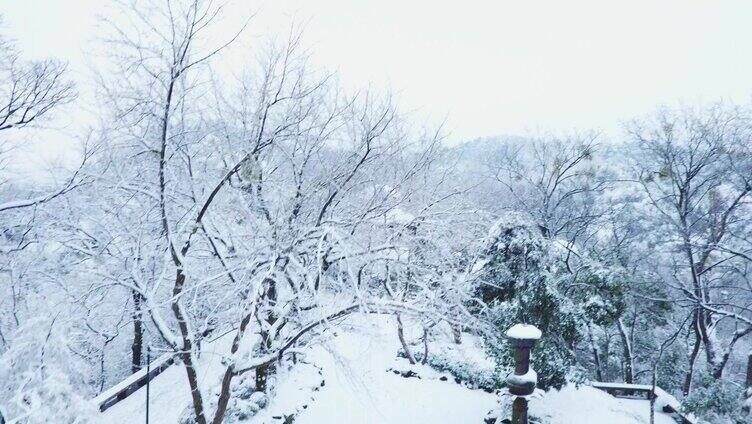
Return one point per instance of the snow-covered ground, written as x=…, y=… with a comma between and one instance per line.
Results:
x=358, y=389
x=169, y=392
x=571, y=405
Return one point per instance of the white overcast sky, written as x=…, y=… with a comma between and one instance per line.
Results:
x=489, y=67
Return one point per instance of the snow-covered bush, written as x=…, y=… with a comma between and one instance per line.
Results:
x=716, y=401
x=599, y=290
x=244, y=403
x=468, y=374
x=40, y=377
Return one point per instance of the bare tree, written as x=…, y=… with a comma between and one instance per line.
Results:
x=556, y=181
x=243, y=205
x=29, y=89
x=686, y=168
x=29, y=92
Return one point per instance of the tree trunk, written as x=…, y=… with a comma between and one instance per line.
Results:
x=186, y=353
x=198, y=402
x=224, y=392
x=596, y=356
x=401, y=335
x=718, y=371
x=519, y=410
x=748, y=385
x=138, y=333
x=262, y=375
x=705, y=328
x=652, y=392
x=457, y=334
x=687, y=388
x=424, y=359
x=263, y=371
x=224, y=397
x=627, y=353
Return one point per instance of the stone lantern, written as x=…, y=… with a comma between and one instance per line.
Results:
x=522, y=382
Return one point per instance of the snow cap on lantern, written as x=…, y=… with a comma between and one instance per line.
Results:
x=524, y=332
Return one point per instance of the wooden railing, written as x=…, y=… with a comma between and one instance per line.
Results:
x=623, y=390
x=134, y=382
x=643, y=391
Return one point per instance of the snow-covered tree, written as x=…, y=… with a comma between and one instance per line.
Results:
x=687, y=163
x=516, y=278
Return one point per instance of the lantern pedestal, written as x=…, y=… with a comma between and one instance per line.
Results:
x=522, y=382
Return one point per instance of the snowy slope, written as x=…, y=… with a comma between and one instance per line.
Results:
x=358, y=389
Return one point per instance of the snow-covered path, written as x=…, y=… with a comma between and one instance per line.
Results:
x=359, y=390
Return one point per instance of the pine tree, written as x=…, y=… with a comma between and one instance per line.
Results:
x=516, y=280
